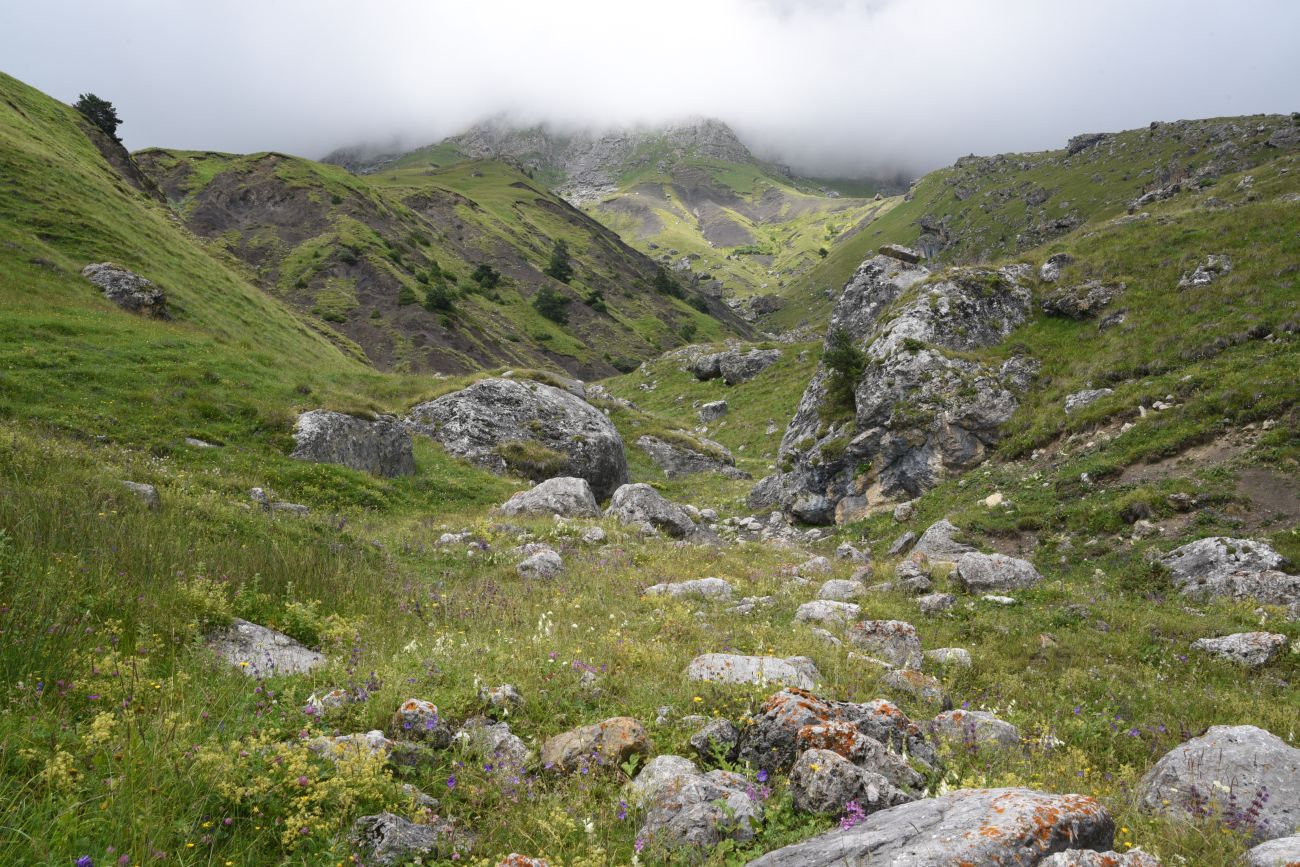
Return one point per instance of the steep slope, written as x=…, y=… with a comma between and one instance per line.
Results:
x=390, y=261
x=691, y=196
x=984, y=208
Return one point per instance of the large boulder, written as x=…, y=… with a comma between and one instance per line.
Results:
x=127, y=289
x=261, y=652
x=1248, y=649
x=379, y=446
x=566, y=496
x=688, y=809
x=1008, y=827
x=678, y=460
x=1230, y=771
x=939, y=543
x=1093, y=858
x=797, y=671
x=698, y=588
x=1282, y=852
x=1082, y=301
x=640, y=504
x=606, y=744
x=984, y=573
x=824, y=782
x=921, y=410
x=1220, y=566
x=893, y=641
x=531, y=428
x=737, y=367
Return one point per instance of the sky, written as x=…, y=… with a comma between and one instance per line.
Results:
x=831, y=87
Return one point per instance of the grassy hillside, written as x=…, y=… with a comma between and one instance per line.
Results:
x=389, y=260
x=985, y=208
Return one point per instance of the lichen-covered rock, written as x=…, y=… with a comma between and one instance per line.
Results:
x=604, y=744
x=493, y=742
x=936, y=603
x=770, y=741
x=840, y=590
x=378, y=446
x=797, y=671
x=1223, y=567
x=1080, y=399
x=974, y=729
x=1229, y=771
x=641, y=504
x=128, y=290
x=261, y=652
x=1050, y=272
x=1092, y=858
x=701, y=810
x=1080, y=302
x=1214, y=267
x=1249, y=649
x=659, y=772
x=713, y=411
x=566, y=496
x=955, y=657
x=483, y=422
x=699, y=588
x=916, y=684
x=678, y=461
x=419, y=720
x=939, y=543
x=912, y=574
x=1008, y=827
x=541, y=565
x=846, y=739
x=500, y=700
x=388, y=840
x=981, y=573
x=719, y=739
x=737, y=367
x=1282, y=852
x=827, y=611
x=823, y=782
x=921, y=411
x=894, y=641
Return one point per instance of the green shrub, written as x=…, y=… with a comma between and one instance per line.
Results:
x=846, y=362
x=551, y=304
x=559, y=268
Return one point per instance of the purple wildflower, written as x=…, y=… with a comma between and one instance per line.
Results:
x=84, y=861
x=761, y=776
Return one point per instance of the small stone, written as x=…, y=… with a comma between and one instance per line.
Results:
x=840, y=590
x=700, y=588
x=542, y=565
x=418, y=720
x=147, y=494
x=916, y=684
x=958, y=657
x=936, y=603
x=827, y=611
x=974, y=729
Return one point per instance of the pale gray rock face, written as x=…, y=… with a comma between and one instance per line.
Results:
x=1010, y=827
x=894, y=641
x=147, y=494
x=701, y=810
x=797, y=671
x=1282, y=852
x=494, y=742
x=1220, y=566
x=957, y=657
x=542, y=565
x=737, y=367
x=712, y=411
x=920, y=414
x=1214, y=267
x=975, y=728
x=840, y=590
x=823, y=782
x=700, y=588
x=658, y=773
x=827, y=611
x=981, y=573
x=477, y=422
x=128, y=290
x=261, y=652
x=936, y=603
x=901, y=253
x=641, y=504
x=1080, y=399
x=1225, y=772
x=389, y=840
x=379, y=447
x=1249, y=649
x=1051, y=270
x=916, y=684
x=678, y=461
x=939, y=542
x=1084, y=858
x=566, y=496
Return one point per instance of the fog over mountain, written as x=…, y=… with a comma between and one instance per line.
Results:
x=832, y=87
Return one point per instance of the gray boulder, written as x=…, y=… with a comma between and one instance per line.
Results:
x=566, y=496
x=982, y=573
x=699, y=588
x=379, y=447
x=128, y=290
x=605, y=744
x=1219, y=566
x=494, y=742
x=936, y=603
x=1248, y=649
x=737, y=367
x=658, y=773
x=823, y=782
x=845, y=739
x=894, y=641
x=956, y=657
x=640, y=504
x=388, y=840
x=827, y=611
x=147, y=494
x=1214, y=267
x=712, y=411
x=1229, y=771
x=701, y=810
x=1080, y=399
x=541, y=565
x=840, y=590
x=1082, y=301
x=975, y=729
x=915, y=684
x=1009, y=827
x=261, y=652
x=717, y=739
x=1282, y=852
x=1050, y=272
x=814, y=509
x=526, y=426
x=678, y=461
x=939, y=543
x=798, y=671
x=1093, y=858
x=901, y=253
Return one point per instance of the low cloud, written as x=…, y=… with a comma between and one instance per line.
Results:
x=836, y=87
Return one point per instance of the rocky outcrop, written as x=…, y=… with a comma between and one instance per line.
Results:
x=1243, y=775
x=678, y=461
x=566, y=496
x=533, y=429
x=940, y=542
x=641, y=505
x=1080, y=399
x=918, y=414
x=797, y=671
x=1223, y=567
x=261, y=652
x=1093, y=858
x=380, y=447
x=734, y=366
x=128, y=290
x=1011, y=827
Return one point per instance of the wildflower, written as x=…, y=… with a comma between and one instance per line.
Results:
x=84, y=861
x=622, y=810
x=853, y=814
x=761, y=776
x=451, y=781
x=302, y=780
x=697, y=699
